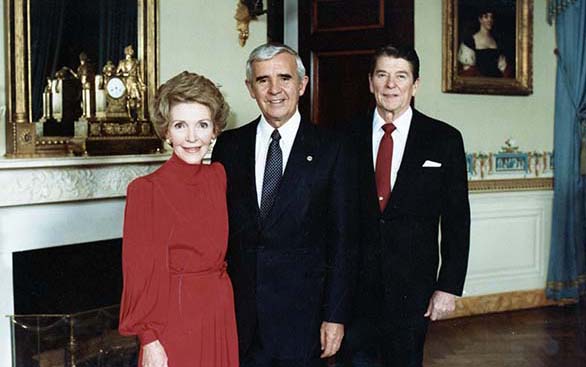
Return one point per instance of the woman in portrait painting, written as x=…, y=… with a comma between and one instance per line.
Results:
x=479, y=54
x=177, y=296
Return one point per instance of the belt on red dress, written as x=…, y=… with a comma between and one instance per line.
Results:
x=219, y=271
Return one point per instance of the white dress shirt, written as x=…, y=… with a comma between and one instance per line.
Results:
x=288, y=131
x=402, y=124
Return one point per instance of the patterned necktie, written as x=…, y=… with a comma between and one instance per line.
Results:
x=384, y=159
x=272, y=175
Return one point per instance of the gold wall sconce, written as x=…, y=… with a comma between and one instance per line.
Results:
x=247, y=10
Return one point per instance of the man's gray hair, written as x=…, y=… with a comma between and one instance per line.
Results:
x=267, y=52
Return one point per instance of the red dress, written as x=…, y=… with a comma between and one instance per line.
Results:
x=176, y=288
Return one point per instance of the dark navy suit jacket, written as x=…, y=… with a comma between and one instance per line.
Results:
x=291, y=272
x=400, y=247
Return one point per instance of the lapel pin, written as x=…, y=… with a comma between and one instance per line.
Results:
x=309, y=158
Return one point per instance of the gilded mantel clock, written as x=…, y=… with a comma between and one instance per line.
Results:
x=115, y=100
x=120, y=121
x=116, y=88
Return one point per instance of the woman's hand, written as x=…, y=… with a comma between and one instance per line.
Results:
x=153, y=355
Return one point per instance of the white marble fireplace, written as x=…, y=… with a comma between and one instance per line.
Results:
x=55, y=202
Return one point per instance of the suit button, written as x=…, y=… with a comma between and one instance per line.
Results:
x=381, y=221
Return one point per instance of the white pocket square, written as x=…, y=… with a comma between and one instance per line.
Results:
x=431, y=164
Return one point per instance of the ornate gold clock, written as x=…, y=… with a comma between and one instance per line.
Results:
x=116, y=106
x=116, y=88
x=114, y=119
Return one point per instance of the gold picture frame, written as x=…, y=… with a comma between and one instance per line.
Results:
x=490, y=57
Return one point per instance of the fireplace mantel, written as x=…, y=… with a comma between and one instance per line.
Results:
x=40, y=181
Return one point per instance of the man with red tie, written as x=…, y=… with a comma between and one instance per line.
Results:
x=413, y=182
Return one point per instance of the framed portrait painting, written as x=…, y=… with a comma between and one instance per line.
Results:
x=487, y=46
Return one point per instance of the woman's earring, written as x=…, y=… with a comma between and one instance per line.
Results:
x=211, y=146
x=168, y=141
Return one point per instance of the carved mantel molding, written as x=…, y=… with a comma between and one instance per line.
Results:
x=28, y=182
x=41, y=181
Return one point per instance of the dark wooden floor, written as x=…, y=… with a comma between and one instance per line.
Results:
x=552, y=336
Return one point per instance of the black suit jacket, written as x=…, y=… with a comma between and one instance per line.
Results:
x=289, y=273
x=399, y=247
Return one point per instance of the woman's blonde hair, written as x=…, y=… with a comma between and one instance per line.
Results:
x=188, y=87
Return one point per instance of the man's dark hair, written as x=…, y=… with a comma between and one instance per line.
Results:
x=406, y=53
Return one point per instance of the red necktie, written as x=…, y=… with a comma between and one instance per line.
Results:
x=383, y=166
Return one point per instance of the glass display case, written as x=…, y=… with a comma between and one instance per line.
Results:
x=85, y=339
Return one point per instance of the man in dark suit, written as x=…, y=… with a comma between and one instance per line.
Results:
x=289, y=208
x=413, y=181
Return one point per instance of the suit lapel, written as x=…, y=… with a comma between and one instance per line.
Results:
x=411, y=158
x=248, y=167
x=366, y=163
x=366, y=142
x=299, y=170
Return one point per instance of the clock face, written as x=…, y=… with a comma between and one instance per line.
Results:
x=115, y=88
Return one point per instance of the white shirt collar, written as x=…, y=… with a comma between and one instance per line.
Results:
x=287, y=131
x=402, y=123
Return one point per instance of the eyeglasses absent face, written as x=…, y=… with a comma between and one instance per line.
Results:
x=276, y=88
x=190, y=131
x=393, y=86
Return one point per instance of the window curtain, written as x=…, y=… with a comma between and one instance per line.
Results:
x=117, y=29
x=46, y=44
x=567, y=263
x=62, y=29
x=555, y=7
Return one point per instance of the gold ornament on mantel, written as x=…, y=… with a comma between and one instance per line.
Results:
x=106, y=112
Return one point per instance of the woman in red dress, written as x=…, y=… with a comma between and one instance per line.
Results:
x=177, y=296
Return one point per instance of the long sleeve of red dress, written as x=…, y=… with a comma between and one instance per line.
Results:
x=143, y=311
